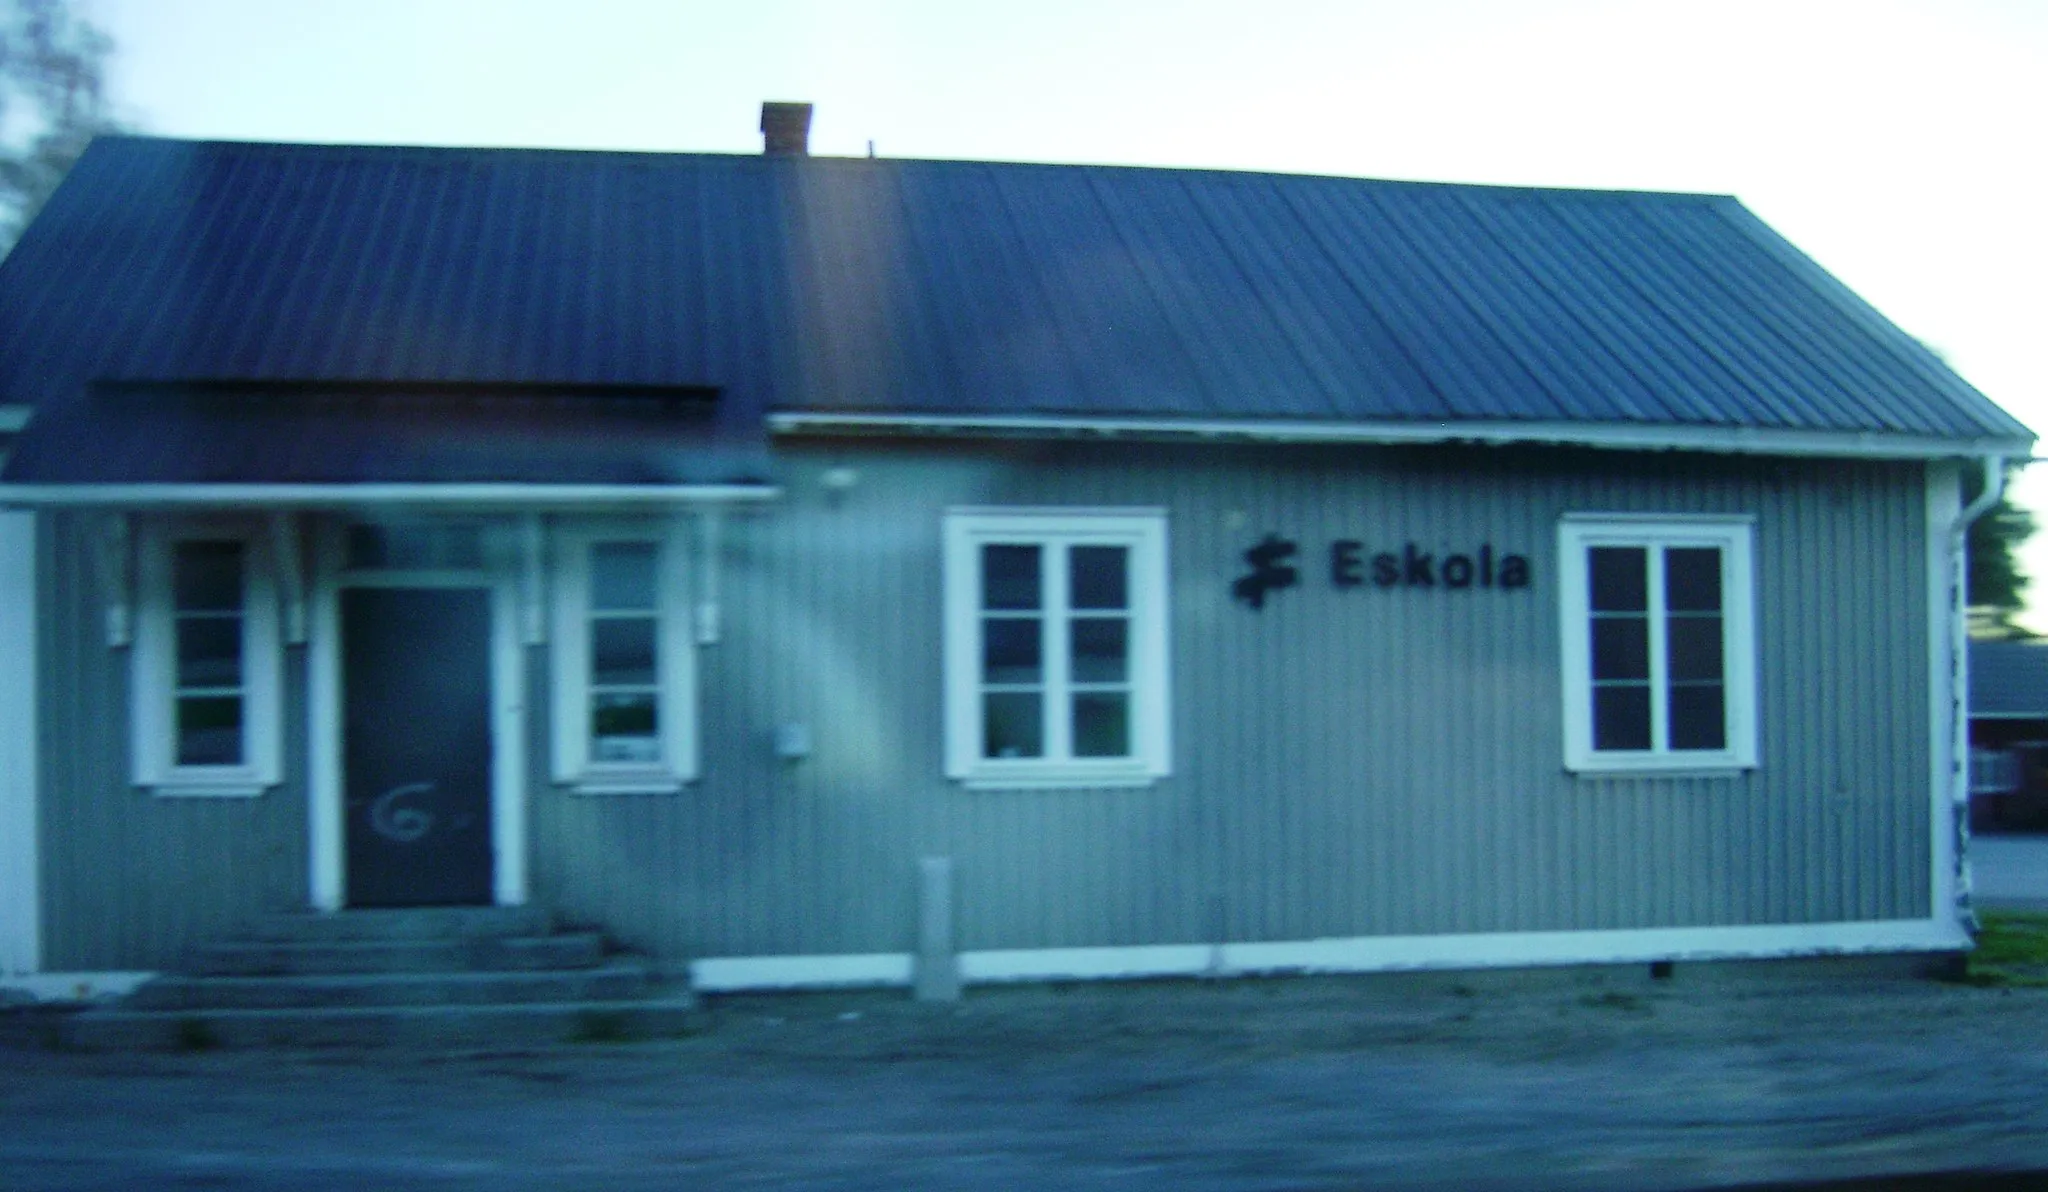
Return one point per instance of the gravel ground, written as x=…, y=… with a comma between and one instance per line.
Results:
x=1570, y=1080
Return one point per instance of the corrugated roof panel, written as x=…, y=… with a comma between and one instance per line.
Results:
x=950, y=287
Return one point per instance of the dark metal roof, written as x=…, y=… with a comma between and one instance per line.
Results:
x=923, y=287
x=212, y=433
x=2009, y=679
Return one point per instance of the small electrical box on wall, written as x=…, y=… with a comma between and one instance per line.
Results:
x=792, y=741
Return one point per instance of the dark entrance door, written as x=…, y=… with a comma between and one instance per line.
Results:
x=416, y=745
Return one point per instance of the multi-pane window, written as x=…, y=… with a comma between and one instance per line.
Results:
x=624, y=663
x=208, y=624
x=1657, y=643
x=625, y=632
x=207, y=661
x=1056, y=666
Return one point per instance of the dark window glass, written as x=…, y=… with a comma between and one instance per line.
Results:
x=209, y=651
x=1102, y=724
x=624, y=727
x=1010, y=650
x=1621, y=717
x=1009, y=577
x=1695, y=646
x=1100, y=649
x=1621, y=648
x=1699, y=718
x=1618, y=578
x=1692, y=579
x=1013, y=724
x=210, y=730
x=1098, y=577
x=622, y=576
x=622, y=651
x=207, y=576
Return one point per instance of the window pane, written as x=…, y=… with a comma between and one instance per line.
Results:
x=1100, y=649
x=1621, y=648
x=1012, y=724
x=622, y=652
x=209, y=651
x=1098, y=577
x=1618, y=578
x=1009, y=577
x=1621, y=717
x=623, y=728
x=622, y=576
x=1692, y=579
x=1695, y=645
x=1699, y=718
x=207, y=576
x=1010, y=650
x=210, y=731
x=1102, y=724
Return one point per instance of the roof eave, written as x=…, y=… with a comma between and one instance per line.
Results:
x=478, y=497
x=1730, y=440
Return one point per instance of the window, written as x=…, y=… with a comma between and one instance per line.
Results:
x=1659, y=669
x=207, y=661
x=1995, y=771
x=1056, y=671
x=625, y=667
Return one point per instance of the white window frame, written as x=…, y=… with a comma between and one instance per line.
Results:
x=1143, y=532
x=675, y=661
x=153, y=747
x=1734, y=537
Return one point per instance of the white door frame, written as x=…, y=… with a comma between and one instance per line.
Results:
x=326, y=819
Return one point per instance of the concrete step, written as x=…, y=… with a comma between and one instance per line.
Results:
x=409, y=923
x=258, y=958
x=527, y=1024
x=612, y=980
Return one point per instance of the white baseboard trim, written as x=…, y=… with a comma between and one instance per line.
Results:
x=75, y=987
x=1356, y=954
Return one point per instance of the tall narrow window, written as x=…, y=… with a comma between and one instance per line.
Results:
x=207, y=662
x=624, y=664
x=1657, y=643
x=1056, y=647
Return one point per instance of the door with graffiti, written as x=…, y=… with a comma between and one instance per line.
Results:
x=416, y=745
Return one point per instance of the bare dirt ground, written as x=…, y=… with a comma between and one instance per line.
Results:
x=1573, y=1080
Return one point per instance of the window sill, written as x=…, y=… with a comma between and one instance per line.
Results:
x=206, y=789
x=1661, y=769
x=1060, y=779
x=628, y=784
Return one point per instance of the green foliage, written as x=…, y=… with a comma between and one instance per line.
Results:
x=1997, y=587
x=52, y=102
x=2012, y=950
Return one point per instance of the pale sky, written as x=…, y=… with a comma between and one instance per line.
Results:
x=1901, y=143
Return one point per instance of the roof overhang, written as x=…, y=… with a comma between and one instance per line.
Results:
x=472, y=497
x=1731, y=440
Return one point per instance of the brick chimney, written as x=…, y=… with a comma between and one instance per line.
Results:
x=786, y=129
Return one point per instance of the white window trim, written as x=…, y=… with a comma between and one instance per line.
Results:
x=153, y=715
x=1143, y=531
x=676, y=661
x=1734, y=536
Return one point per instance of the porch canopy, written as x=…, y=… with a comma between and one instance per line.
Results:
x=343, y=444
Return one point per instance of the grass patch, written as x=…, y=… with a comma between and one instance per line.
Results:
x=2011, y=952
x=601, y=1026
x=1614, y=999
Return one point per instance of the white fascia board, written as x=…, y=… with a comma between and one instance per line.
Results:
x=76, y=987
x=1738, y=440
x=1356, y=954
x=353, y=496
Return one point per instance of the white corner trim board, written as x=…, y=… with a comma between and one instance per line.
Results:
x=1356, y=954
x=21, y=904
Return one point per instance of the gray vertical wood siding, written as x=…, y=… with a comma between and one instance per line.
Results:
x=130, y=879
x=1346, y=762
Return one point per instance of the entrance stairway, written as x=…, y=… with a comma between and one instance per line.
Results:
x=431, y=976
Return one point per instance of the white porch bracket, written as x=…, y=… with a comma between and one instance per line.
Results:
x=115, y=554
x=286, y=547
x=710, y=527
